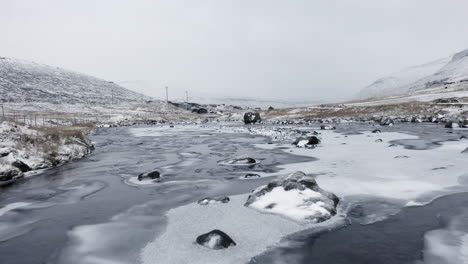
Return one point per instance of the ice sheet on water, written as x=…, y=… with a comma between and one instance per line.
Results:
x=12, y=206
x=363, y=167
x=448, y=245
x=253, y=232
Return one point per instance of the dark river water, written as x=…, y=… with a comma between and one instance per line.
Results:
x=85, y=209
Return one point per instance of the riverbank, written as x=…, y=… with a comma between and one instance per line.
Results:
x=26, y=149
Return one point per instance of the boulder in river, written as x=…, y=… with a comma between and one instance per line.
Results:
x=212, y=200
x=252, y=118
x=308, y=142
x=252, y=175
x=387, y=122
x=452, y=125
x=296, y=196
x=150, y=175
x=215, y=239
x=327, y=127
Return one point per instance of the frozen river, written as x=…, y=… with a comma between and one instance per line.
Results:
x=95, y=211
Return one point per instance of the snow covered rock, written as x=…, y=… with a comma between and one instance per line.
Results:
x=151, y=175
x=252, y=118
x=208, y=200
x=309, y=142
x=296, y=196
x=379, y=140
x=215, y=239
x=8, y=173
x=376, y=131
x=465, y=151
x=327, y=127
x=387, y=122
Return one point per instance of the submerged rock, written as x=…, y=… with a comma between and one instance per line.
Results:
x=212, y=200
x=151, y=175
x=296, y=196
x=215, y=239
x=241, y=161
x=252, y=118
x=252, y=175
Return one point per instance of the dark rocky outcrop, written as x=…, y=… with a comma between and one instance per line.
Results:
x=215, y=239
x=23, y=167
x=252, y=118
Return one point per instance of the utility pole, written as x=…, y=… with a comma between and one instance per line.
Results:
x=167, y=95
x=186, y=100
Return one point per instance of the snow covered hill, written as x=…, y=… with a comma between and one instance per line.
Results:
x=23, y=81
x=451, y=71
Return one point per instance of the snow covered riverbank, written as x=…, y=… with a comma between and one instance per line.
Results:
x=24, y=149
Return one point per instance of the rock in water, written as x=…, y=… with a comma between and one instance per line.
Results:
x=215, y=239
x=252, y=118
x=241, y=161
x=23, y=167
x=309, y=142
x=387, y=122
x=208, y=200
x=296, y=196
x=452, y=125
x=252, y=175
x=151, y=175
x=327, y=127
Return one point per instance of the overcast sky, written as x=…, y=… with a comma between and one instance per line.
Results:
x=296, y=49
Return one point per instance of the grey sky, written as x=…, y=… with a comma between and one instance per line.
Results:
x=297, y=49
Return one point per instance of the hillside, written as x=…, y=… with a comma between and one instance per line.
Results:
x=23, y=82
x=449, y=73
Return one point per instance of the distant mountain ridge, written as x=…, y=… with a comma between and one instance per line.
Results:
x=23, y=81
x=248, y=102
x=446, y=71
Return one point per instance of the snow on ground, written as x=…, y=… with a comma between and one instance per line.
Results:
x=253, y=232
x=37, y=148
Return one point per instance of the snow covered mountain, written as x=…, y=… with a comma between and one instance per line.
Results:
x=448, y=71
x=23, y=81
